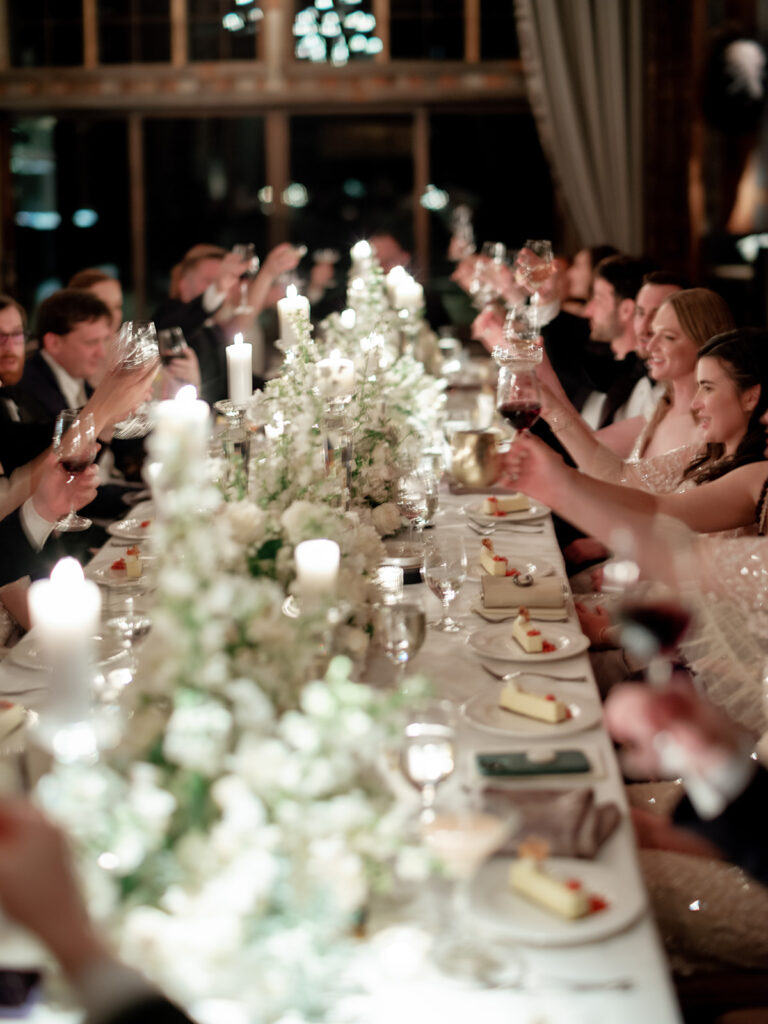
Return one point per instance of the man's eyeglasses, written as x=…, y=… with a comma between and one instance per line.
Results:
x=19, y=337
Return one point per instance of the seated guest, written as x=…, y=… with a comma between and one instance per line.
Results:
x=39, y=890
x=203, y=302
x=579, y=276
x=74, y=329
x=13, y=336
x=24, y=533
x=104, y=287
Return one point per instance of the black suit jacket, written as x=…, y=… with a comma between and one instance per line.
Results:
x=18, y=557
x=39, y=389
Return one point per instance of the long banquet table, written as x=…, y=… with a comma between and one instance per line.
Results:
x=633, y=956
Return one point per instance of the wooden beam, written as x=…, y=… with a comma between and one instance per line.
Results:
x=138, y=211
x=421, y=173
x=5, y=43
x=179, y=34
x=278, y=166
x=383, y=30
x=472, y=31
x=90, y=34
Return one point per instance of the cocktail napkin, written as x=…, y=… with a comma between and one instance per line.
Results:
x=568, y=819
x=503, y=592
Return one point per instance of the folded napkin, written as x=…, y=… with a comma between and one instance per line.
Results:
x=505, y=614
x=569, y=820
x=503, y=592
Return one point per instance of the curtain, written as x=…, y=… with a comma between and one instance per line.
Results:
x=583, y=72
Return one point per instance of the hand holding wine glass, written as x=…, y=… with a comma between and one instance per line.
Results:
x=518, y=396
x=75, y=448
x=135, y=347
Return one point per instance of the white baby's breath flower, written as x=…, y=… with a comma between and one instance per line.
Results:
x=387, y=519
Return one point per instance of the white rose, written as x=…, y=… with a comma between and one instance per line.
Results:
x=386, y=518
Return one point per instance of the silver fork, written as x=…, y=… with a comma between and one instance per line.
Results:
x=504, y=676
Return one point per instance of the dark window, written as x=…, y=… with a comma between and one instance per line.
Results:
x=498, y=31
x=223, y=29
x=45, y=33
x=203, y=177
x=134, y=31
x=430, y=30
x=71, y=201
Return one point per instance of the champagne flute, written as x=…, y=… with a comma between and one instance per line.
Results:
x=444, y=571
x=518, y=395
x=74, y=444
x=428, y=756
x=401, y=628
x=246, y=252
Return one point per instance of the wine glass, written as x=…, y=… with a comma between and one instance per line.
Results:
x=135, y=346
x=170, y=343
x=533, y=267
x=246, y=252
x=401, y=628
x=486, y=284
x=74, y=444
x=411, y=500
x=428, y=756
x=518, y=395
x=444, y=571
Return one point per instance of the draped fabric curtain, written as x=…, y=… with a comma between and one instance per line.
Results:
x=583, y=72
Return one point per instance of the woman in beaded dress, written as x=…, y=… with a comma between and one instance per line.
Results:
x=710, y=913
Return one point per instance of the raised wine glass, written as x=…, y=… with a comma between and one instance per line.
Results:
x=135, y=346
x=444, y=571
x=74, y=444
x=170, y=344
x=533, y=267
x=486, y=284
x=401, y=627
x=246, y=251
x=518, y=396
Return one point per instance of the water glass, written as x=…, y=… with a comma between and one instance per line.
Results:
x=444, y=572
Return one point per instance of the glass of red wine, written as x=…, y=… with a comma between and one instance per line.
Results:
x=518, y=395
x=74, y=444
x=651, y=630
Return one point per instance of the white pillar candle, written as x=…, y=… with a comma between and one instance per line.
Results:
x=317, y=568
x=239, y=371
x=409, y=295
x=348, y=319
x=335, y=376
x=394, y=277
x=65, y=613
x=361, y=254
x=287, y=309
x=356, y=292
x=184, y=423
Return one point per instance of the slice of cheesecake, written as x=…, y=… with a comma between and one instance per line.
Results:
x=133, y=563
x=501, y=505
x=11, y=717
x=494, y=564
x=545, y=707
x=530, y=878
x=530, y=639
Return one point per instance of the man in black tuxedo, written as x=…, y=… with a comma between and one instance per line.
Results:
x=74, y=328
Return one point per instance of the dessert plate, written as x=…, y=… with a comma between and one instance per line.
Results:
x=524, y=921
x=535, y=511
x=483, y=710
x=130, y=529
x=536, y=566
x=29, y=653
x=498, y=642
x=105, y=577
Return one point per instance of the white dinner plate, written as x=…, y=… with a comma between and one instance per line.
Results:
x=29, y=653
x=483, y=710
x=497, y=642
x=104, y=576
x=525, y=921
x=535, y=511
x=535, y=566
x=130, y=529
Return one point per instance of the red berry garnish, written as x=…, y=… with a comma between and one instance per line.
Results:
x=534, y=632
x=547, y=646
x=145, y=523
x=573, y=884
x=119, y=565
x=597, y=903
x=550, y=696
